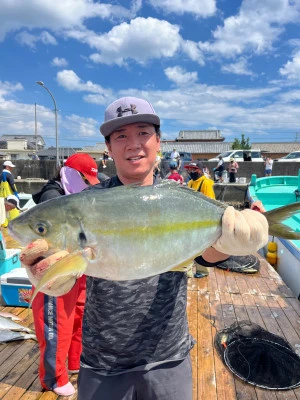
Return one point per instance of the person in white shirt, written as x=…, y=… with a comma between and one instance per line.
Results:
x=268, y=166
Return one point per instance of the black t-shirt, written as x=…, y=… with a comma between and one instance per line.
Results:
x=137, y=324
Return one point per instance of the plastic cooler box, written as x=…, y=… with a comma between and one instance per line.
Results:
x=16, y=289
x=9, y=258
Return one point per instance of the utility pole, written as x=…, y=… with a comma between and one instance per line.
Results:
x=35, y=128
x=55, y=115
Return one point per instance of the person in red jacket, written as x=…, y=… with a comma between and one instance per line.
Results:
x=58, y=320
x=174, y=174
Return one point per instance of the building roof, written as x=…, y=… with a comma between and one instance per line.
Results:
x=219, y=147
x=278, y=147
x=29, y=138
x=64, y=152
x=209, y=134
x=196, y=147
x=99, y=147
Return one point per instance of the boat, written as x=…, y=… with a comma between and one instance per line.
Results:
x=274, y=192
x=26, y=201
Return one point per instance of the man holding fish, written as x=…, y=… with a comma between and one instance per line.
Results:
x=136, y=341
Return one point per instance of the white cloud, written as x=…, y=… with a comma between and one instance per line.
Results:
x=254, y=29
x=290, y=96
x=141, y=40
x=16, y=14
x=192, y=50
x=291, y=70
x=46, y=38
x=240, y=67
x=8, y=88
x=30, y=40
x=84, y=127
x=69, y=80
x=179, y=76
x=59, y=62
x=204, y=8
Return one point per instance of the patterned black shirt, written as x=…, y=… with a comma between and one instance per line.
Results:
x=135, y=325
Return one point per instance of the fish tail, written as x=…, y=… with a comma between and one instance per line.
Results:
x=276, y=217
x=62, y=275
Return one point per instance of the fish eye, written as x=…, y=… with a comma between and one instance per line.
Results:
x=41, y=229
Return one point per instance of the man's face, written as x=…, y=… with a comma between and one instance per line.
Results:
x=197, y=170
x=134, y=148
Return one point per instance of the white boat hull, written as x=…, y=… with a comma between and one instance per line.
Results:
x=288, y=263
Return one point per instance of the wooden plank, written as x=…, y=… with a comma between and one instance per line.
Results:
x=231, y=282
x=22, y=377
x=192, y=304
x=286, y=327
x=290, y=313
x=206, y=367
x=221, y=280
x=224, y=378
x=212, y=285
x=34, y=391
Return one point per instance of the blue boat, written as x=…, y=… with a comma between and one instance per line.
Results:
x=274, y=192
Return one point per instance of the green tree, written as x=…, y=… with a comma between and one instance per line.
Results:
x=241, y=144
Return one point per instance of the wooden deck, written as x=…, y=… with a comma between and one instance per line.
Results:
x=214, y=302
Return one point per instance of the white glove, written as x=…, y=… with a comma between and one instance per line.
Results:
x=243, y=232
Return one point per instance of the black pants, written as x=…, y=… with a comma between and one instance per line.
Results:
x=232, y=178
x=170, y=381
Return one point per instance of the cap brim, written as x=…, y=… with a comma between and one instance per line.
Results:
x=14, y=203
x=108, y=127
x=92, y=179
x=191, y=166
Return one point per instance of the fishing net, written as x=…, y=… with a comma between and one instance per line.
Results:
x=258, y=356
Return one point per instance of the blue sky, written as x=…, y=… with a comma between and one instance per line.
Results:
x=203, y=64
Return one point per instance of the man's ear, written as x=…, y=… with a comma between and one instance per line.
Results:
x=108, y=147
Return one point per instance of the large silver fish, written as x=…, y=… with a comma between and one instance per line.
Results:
x=134, y=231
x=8, y=324
x=9, y=336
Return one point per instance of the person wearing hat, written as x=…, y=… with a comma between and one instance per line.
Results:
x=136, y=342
x=13, y=202
x=8, y=204
x=63, y=314
x=232, y=169
x=199, y=181
x=8, y=187
x=174, y=174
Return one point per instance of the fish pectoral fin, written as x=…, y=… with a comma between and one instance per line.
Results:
x=283, y=231
x=61, y=276
x=183, y=267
